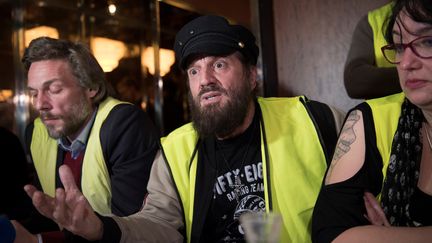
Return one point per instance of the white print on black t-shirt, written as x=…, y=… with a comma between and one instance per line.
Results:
x=250, y=198
x=248, y=176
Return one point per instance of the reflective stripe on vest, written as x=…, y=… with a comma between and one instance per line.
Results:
x=376, y=19
x=95, y=180
x=386, y=112
x=297, y=165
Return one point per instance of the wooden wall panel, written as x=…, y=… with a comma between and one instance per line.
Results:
x=312, y=41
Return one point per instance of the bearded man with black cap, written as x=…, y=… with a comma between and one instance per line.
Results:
x=241, y=153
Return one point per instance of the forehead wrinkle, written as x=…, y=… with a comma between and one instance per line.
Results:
x=46, y=83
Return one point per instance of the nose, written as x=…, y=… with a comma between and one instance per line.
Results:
x=41, y=102
x=207, y=77
x=409, y=60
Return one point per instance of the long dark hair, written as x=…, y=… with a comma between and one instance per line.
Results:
x=418, y=10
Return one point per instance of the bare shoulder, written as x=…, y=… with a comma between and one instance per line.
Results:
x=349, y=154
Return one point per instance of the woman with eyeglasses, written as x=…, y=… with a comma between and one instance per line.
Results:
x=379, y=185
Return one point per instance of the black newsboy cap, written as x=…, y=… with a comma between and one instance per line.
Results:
x=213, y=35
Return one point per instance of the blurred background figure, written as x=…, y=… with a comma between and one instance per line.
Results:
x=14, y=175
x=139, y=89
x=367, y=73
x=126, y=79
x=7, y=115
x=175, y=109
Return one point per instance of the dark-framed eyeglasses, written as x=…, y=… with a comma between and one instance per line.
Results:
x=422, y=47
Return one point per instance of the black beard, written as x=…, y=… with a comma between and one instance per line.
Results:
x=221, y=121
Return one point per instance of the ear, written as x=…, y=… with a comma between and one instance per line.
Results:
x=253, y=74
x=91, y=93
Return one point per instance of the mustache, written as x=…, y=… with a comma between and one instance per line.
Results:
x=212, y=87
x=44, y=115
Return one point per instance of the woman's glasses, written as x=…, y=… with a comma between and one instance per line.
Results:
x=422, y=47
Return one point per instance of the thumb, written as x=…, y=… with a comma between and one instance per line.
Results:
x=30, y=190
x=67, y=178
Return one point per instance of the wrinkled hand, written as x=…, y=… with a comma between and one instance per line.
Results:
x=23, y=235
x=69, y=209
x=375, y=214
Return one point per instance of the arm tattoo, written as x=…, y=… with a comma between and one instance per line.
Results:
x=346, y=138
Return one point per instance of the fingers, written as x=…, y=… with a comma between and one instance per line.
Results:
x=67, y=178
x=81, y=219
x=42, y=202
x=370, y=198
x=72, y=211
x=30, y=190
x=370, y=216
x=69, y=209
x=381, y=214
x=80, y=213
x=86, y=223
x=82, y=209
x=60, y=213
x=375, y=214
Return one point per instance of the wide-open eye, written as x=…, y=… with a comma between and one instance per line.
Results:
x=192, y=72
x=220, y=64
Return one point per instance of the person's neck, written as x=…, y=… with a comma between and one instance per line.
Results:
x=246, y=122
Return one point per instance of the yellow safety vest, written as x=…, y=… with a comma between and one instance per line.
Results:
x=386, y=112
x=376, y=20
x=295, y=168
x=95, y=179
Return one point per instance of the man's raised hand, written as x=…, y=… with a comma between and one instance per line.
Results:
x=69, y=209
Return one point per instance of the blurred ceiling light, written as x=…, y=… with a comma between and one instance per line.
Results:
x=5, y=95
x=166, y=57
x=108, y=52
x=39, y=31
x=41, y=3
x=112, y=8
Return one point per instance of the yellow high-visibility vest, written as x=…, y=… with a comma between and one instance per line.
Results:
x=293, y=173
x=95, y=179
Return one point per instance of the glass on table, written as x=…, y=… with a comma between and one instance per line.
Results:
x=260, y=227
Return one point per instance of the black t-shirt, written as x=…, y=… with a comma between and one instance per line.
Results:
x=237, y=156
